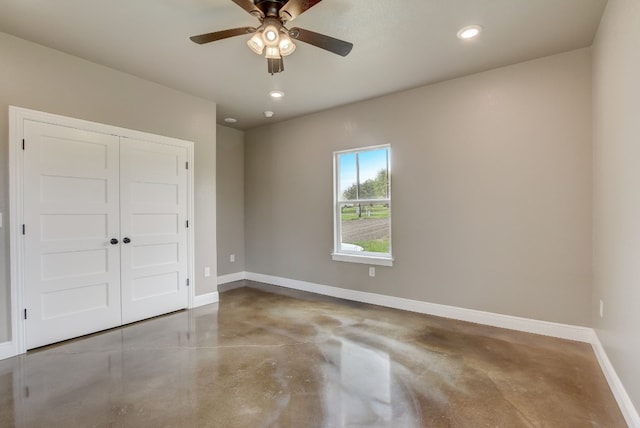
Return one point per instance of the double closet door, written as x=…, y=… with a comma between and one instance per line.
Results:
x=105, y=231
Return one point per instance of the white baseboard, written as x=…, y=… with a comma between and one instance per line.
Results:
x=617, y=388
x=7, y=350
x=563, y=331
x=205, y=299
x=232, y=277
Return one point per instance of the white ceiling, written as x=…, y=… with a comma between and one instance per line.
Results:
x=398, y=44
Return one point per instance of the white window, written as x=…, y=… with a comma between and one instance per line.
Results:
x=362, y=205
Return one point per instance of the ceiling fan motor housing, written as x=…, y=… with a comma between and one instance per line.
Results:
x=270, y=8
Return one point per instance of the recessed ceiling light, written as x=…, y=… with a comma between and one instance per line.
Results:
x=276, y=94
x=230, y=119
x=268, y=114
x=469, y=32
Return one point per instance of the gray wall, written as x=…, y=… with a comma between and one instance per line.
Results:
x=230, y=185
x=616, y=132
x=39, y=78
x=491, y=188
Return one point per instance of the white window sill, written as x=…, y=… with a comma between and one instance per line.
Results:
x=367, y=260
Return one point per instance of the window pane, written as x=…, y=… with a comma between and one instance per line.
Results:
x=374, y=174
x=365, y=227
x=348, y=176
x=364, y=175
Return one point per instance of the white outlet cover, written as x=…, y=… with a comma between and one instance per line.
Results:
x=207, y=271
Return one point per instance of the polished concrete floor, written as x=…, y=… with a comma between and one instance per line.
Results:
x=267, y=357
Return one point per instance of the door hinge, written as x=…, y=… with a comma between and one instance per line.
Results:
x=187, y=223
x=23, y=144
x=25, y=313
x=187, y=165
x=187, y=282
x=24, y=229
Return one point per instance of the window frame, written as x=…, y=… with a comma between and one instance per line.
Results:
x=365, y=257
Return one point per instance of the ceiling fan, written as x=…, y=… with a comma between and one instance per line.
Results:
x=271, y=36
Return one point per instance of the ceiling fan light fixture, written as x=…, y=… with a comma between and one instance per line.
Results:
x=286, y=45
x=272, y=52
x=270, y=35
x=256, y=44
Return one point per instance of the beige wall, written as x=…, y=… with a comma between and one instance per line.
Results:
x=230, y=185
x=39, y=78
x=616, y=67
x=491, y=191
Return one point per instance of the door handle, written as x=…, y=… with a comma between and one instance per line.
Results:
x=113, y=241
x=126, y=240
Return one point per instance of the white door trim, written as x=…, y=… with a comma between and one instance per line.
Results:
x=17, y=115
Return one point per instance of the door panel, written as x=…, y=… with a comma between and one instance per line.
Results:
x=153, y=192
x=71, y=211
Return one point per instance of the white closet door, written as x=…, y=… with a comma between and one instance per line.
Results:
x=153, y=200
x=71, y=210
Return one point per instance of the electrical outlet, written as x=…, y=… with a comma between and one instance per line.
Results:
x=232, y=258
x=207, y=271
x=372, y=271
x=601, y=309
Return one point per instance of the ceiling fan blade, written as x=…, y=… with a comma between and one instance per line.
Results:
x=250, y=7
x=294, y=8
x=219, y=35
x=322, y=41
